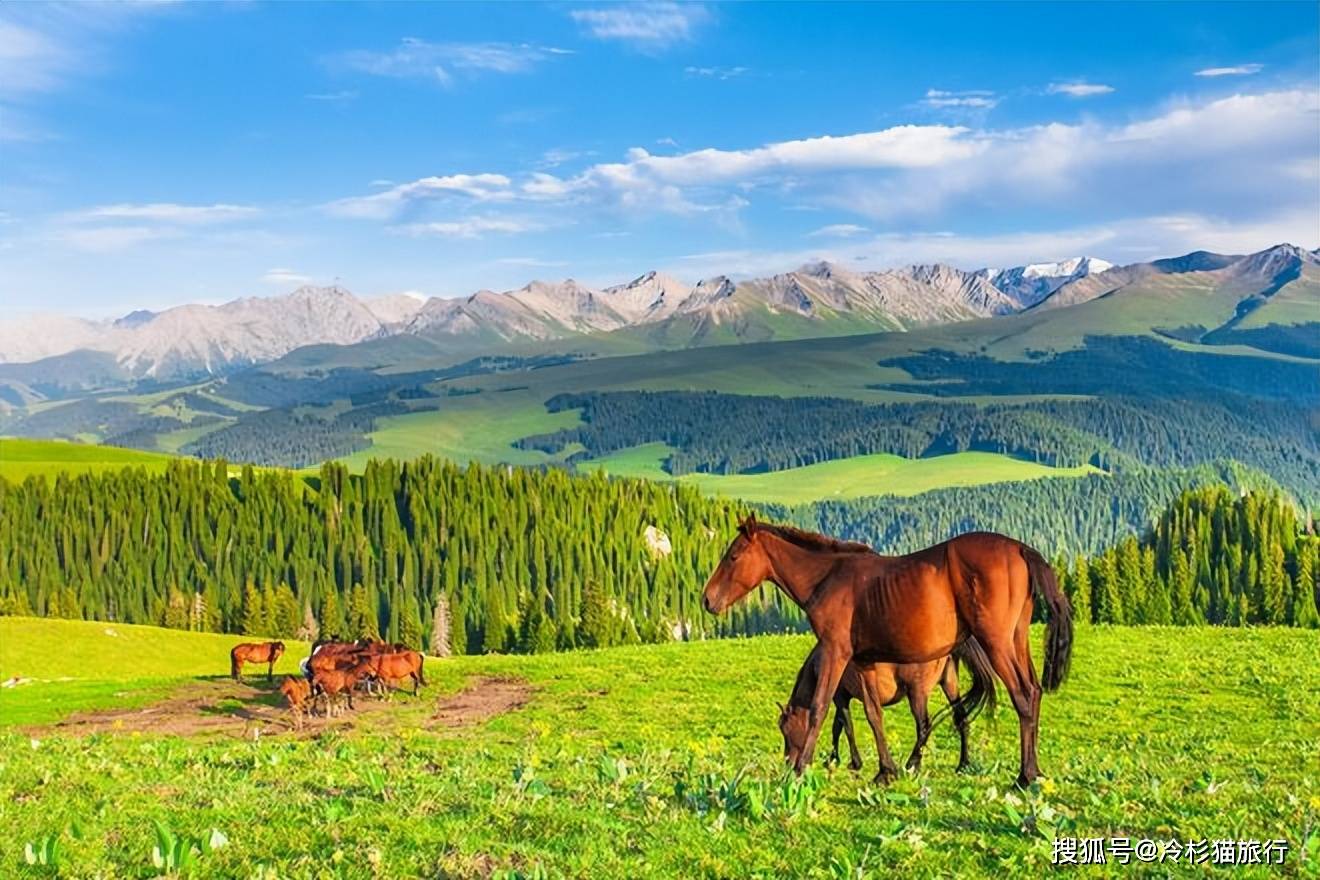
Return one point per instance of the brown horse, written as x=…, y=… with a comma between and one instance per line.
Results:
x=396, y=665
x=878, y=685
x=908, y=609
x=296, y=693
x=255, y=652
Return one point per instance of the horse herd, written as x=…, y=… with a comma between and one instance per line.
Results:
x=332, y=672
x=888, y=628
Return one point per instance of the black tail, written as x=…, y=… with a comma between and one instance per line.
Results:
x=1059, y=628
x=981, y=695
x=421, y=659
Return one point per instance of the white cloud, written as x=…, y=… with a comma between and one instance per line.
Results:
x=111, y=239
x=839, y=230
x=344, y=95
x=285, y=277
x=382, y=205
x=419, y=59
x=1236, y=70
x=976, y=99
x=1079, y=89
x=1243, y=156
x=469, y=227
x=168, y=212
x=717, y=72
x=31, y=61
x=645, y=25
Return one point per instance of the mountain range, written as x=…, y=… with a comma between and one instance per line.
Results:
x=818, y=299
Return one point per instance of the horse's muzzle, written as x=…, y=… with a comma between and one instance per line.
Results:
x=708, y=605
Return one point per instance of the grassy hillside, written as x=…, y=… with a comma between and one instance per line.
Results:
x=664, y=761
x=20, y=458
x=841, y=479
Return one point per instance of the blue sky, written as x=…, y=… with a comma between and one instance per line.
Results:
x=152, y=154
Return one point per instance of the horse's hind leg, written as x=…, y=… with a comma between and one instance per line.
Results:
x=1023, y=689
x=949, y=684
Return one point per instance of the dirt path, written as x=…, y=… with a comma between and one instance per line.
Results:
x=221, y=707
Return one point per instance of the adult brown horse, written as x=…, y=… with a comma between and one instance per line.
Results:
x=255, y=652
x=869, y=608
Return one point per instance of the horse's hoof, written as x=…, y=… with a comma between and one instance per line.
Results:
x=964, y=768
x=1024, y=781
x=884, y=777
x=855, y=765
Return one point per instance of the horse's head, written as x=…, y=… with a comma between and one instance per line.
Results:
x=276, y=651
x=744, y=567
x=793, y=724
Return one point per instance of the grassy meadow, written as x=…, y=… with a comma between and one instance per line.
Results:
x=651, y=761
x=841, y=479
x=20, y=458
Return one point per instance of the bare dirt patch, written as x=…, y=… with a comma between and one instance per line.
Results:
x=483, y=698
x=220, y=707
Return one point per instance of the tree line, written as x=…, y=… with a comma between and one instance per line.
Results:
x=510, y=559
x=476, y=559
x=707, y=431
x=1213, y=557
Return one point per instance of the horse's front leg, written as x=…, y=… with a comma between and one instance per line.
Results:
x=875, y=716
x=834, y=658
x=270, y=671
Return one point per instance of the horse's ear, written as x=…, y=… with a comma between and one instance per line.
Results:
x=748, y=525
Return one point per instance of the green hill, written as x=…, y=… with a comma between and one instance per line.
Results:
x=21, y=458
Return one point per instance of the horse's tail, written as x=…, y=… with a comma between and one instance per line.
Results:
x=1059, y=628
x=233, y=664
x=981, y=695
x=421, y=677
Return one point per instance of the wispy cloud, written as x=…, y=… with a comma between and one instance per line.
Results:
x=839, y=230
x=443, y=62
x=111, y=239
x=334, y=97
x=285, y=277
x=1079, y=89
x=470, y=227
x=1236, y=70
x=649, y=26
x=717, y=72
x=977, y=99
x=168, y=212
x=388, y=203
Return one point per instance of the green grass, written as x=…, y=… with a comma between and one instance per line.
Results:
x=856, y=477
x=478, y=427
x=77, y=665
x=21, y=458
x=615, y=769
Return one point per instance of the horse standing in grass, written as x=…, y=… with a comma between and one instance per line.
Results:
x=255, y=652
x=397, y=665
x=878, y=685
x=917, y=608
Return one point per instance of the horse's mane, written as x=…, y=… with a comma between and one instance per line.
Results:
x=815, y=541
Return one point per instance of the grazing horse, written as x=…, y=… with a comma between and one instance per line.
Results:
x=296, y=692
x=884, y=684
x=869, y=608
x=396, y=665
x=255, y=652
